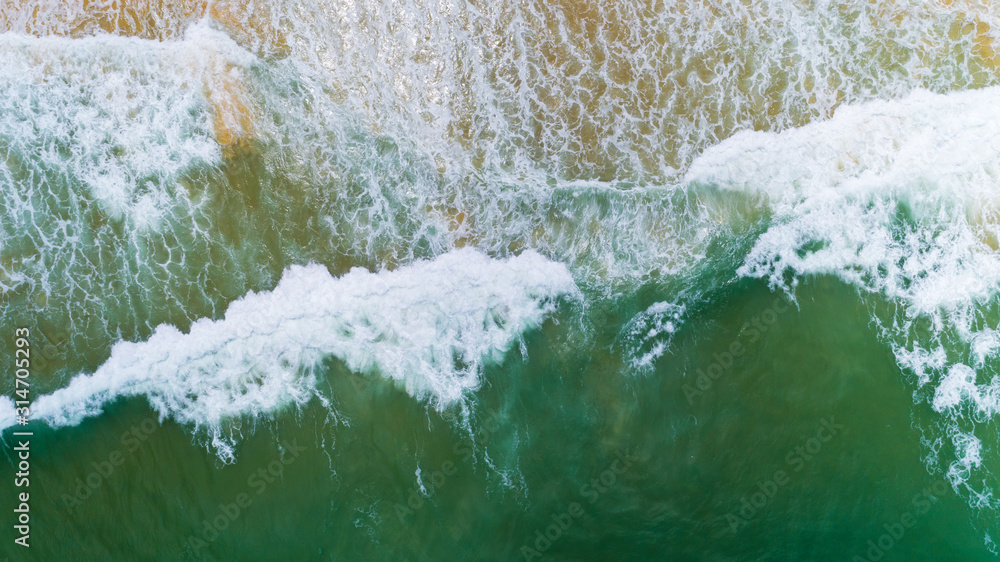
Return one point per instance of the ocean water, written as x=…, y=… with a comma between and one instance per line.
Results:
x=517, y=280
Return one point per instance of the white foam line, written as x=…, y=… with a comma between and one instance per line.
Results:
x=430, y=326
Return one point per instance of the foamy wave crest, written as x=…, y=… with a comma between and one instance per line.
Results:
x=648, y=335
x=430, y=327
x=123, y=117
x=897, y=197
x=901, y=199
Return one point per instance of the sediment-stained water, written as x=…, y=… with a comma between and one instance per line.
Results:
x=588, y=280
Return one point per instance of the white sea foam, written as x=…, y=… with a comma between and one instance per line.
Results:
x=430, y=327
x=968, y=449
x=647, y=336
x=124, y=117
x=897, y=197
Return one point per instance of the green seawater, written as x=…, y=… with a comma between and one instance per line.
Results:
x=543, y=427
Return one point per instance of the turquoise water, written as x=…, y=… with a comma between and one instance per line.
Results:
x=517, y=281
